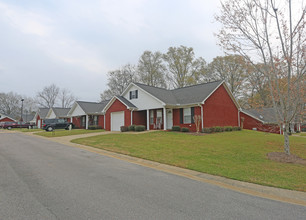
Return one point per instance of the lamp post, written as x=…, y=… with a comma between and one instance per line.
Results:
x=21, y=109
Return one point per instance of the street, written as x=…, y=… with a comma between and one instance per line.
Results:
x=41, y=179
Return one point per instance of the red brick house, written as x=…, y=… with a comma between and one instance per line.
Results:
x=83, y=114
x=260, y=120
x=5, y=118
x=158, y=108
x=40, y=116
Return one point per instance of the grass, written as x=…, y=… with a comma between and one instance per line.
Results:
x=30, y=130
x=236, y=155
x=62, y=132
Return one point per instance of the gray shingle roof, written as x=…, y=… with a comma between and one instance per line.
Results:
x=126, y=102
x=266, y=115
x=61, y=112
x=43, y=112
x=28, y=117
x=93, y=107
x=182, y=96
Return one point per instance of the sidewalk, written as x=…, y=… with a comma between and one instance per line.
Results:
x=278, y=194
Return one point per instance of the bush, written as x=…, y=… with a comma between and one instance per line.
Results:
x=297, y=132
x=238, y=128
x=185, y=129
x=176, y=128
x=131, y=128
x=94, y=127
x=207, y=130
x=124, y=128
x=140, y=128
x=228, y=128
x=217, y=129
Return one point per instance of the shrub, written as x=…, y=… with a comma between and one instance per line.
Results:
x=185, y=129
x=124, y=128
x=176, y=128
x=228, y=128
x=297, y=132
x=217, y=129
x=131, y=128
x=207, y=130
x=94, y=127
x=238, y=128
x=140, y=128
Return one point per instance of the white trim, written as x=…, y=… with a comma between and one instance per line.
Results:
x=72, y=108
x=165, y=118
x=86, y=122
x=148, y=119
x=132, y=84
x=104, y=116
x=202, y=116
x=131, y=116
x=5, y=116
x=238, y=118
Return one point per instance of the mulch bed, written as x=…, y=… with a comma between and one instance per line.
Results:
x=284, y=158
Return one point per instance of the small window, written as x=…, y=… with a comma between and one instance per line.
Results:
x=134, y=94
x=96, y=120
x=187, y=115
x=151, y=117
x=159, y=117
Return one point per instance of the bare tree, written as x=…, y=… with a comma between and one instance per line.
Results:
x=271, y=34
x=10, y=104
x=48, y=96
x=118, y=80
x=233, y=69
x=151, y=69
x=66, y=98
x=183, y=68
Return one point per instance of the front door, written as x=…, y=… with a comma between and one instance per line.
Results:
x=169, y=119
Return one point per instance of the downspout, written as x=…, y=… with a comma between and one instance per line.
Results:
x=104, y=115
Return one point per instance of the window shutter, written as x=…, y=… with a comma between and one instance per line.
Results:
x=181, y=116
x=136, y=94
x=130, y=95
x=192, y=114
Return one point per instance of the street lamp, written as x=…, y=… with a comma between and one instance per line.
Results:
x=21, y=109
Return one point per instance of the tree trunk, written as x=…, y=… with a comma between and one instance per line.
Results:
x=286, y=136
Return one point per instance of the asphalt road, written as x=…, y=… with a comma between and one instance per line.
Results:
x=41, y=179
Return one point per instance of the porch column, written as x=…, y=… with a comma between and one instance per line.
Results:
x=104, y=120
x=131, y=117
x=165, y=119
x=148, y=119
x=86, y=121
x=71, y=120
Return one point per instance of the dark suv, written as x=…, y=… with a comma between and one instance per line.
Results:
x=51, y=124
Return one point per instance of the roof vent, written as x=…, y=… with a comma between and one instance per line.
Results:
x=260, y=116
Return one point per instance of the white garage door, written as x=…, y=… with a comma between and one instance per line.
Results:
x=117, y=120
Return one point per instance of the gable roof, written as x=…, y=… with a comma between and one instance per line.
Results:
x=28, y=117
x=7, y=116
x=126, y=102
x=92, y=107
x=265, y=115
x=60, y=112
x=182, y=96
x=43, y=112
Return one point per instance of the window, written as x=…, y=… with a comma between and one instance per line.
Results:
x=134, y=94
x=95, y=120
x=159, y=117
x=187, y=115
x=152, y=117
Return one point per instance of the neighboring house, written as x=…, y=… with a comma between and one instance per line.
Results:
x=55, y=112
x=29, y=118
x=260, y=120
x=4, y=118
x=158, y=108
x=264, y=119
x=40, y=116
x=84, y=114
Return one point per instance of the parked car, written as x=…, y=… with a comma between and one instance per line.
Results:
x=51, y=124
x=9, y=125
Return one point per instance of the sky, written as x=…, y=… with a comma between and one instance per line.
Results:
x=75, y=43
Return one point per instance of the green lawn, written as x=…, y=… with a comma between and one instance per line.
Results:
x=237, y=155
x=62, y=132
x=30, y=130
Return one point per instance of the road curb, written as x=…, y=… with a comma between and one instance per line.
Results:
x=277, y=194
